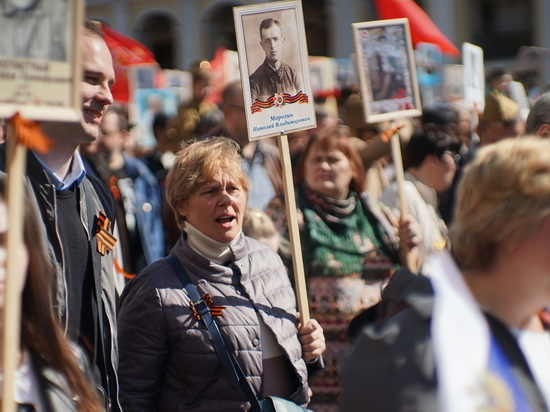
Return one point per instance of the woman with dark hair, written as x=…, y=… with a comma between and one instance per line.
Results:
x=349, y=243
x=429, y=161
x=50, y=374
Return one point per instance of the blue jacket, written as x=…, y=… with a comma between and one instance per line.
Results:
x=148, y=209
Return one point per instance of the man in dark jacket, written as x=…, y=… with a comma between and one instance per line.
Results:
x=136, y=193
x=72, y=206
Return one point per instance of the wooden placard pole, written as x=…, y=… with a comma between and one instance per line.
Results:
x=400, y=178
x=16, y=163
x=293, y=229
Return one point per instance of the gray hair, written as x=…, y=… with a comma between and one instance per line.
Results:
x=539, y=114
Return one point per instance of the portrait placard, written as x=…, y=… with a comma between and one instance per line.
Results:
x=181, y=82
x=274, y=68
x=386, y=69
x=143, y=76
x=453, y=82
x=474, y=77
x=145, y=105
x=428, y=70
x=517, y=94
x=40, y=62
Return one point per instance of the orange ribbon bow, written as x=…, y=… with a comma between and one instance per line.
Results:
x=28, y=134
x=386, y=135
x=214, y=310
x=105, y=240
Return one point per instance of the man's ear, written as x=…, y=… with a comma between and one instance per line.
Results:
x=431, y=159
x=544, y=130
x=125, y=139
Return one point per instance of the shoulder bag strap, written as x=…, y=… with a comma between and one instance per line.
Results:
x=230, y=365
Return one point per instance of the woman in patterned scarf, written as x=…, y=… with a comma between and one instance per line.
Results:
x=350, y=245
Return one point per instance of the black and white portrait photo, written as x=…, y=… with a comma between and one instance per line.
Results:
x=34, y=29
x=274, y=75
x=274, y=62
x=40, y=58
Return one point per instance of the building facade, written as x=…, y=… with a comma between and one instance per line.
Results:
x=179, y=32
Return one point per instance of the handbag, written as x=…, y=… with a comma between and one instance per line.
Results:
x=229, y=363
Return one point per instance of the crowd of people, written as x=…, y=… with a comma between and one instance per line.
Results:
x=162, y=280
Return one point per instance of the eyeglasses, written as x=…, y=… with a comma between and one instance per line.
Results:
x=456, y=157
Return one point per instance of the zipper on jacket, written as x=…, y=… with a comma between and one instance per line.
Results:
x=65, y=287
x=114, y=369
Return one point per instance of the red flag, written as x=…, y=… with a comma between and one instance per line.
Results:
x=423, y=29
x=217, y=65
x=126, y=52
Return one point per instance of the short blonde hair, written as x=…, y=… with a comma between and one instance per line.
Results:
x=503, y=196
x=196, y=164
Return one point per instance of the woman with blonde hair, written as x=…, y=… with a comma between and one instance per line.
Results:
x=168, y=358
x=471, y=333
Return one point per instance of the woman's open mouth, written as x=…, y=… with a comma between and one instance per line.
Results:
x=225, y=219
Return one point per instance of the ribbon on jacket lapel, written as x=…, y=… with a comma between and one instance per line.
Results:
x=105, y=240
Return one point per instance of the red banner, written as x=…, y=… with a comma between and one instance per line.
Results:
x=423, y=29
x=126, y=52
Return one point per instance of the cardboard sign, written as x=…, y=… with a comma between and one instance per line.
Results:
x=40, y=68
x=274, y=67
x=387, y=72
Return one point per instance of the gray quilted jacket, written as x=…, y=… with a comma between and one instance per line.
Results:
x=167, y=360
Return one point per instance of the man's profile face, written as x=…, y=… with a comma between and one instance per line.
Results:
x=95, y=87
x=272, y=42
x=492, y=132
x=110, y=138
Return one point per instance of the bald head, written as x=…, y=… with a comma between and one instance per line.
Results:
x=538, y=121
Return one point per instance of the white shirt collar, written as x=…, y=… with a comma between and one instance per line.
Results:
x=76, y=173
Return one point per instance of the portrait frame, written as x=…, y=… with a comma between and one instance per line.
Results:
x=474, y=76
x=143, y=76
x=143, y=107
x=386, y=70
x=453, y=82
x=284, y=111
x=40, y=76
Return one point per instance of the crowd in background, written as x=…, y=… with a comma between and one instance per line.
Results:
x=350, y=252
x=353, y=240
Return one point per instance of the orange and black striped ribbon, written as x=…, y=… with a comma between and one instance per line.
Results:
x=113, y=188
x=105, y=240
x=214, y=310
x=258, y=105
